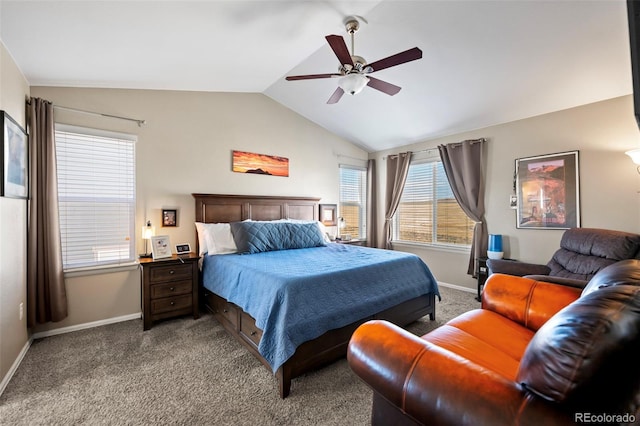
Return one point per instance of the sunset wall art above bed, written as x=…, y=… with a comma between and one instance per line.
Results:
x=249, y=162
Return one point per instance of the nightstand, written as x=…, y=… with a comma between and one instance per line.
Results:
x=169, y=288
x=483, y=274
x=354, y=242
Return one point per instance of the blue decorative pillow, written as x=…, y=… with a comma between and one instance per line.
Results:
x=256, y=237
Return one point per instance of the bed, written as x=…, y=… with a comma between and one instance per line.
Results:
x=295, y=310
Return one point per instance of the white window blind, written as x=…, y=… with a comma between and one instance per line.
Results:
x=353, y=200
x=428, y=212
x=96, y=190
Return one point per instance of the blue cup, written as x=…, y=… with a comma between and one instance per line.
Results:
x=495, y=242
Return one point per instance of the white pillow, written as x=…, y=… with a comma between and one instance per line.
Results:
x=202, y=241
x=219, y=239
x=215, y=238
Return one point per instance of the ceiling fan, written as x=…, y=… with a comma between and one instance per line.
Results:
x=354, y=70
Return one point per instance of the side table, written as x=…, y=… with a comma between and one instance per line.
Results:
x=169, y=288
x=483, y=274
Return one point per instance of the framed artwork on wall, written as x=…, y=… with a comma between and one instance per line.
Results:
x=328, y=214
x=260, y=164
x=15, y=159
x=169, y=217
x=548, y=191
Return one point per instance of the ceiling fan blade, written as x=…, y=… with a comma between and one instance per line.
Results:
x=383, y=86
x=336, y=96
x=311, y=76
x=340, y=49
x=397, y=59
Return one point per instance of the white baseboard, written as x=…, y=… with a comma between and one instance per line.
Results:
x=458, y=287
x=86, y=325
x=14, y=367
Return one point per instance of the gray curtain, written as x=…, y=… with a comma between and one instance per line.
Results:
x=372, y=204
x=464, y=165
x=46, y=294
x=397, y=170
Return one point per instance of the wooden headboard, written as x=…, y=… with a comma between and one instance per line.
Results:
x=216, y=208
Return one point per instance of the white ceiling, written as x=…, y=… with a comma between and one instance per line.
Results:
x=484, y=62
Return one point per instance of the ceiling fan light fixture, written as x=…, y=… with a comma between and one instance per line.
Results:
x=353, y=83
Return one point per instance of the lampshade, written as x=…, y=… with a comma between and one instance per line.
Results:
x=148, y=231
x=635, y=155
x=342, y=223
x=353, y=83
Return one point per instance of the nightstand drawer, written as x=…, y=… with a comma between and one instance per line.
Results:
x=160, y=274
x=170, y=304
x=171, y=289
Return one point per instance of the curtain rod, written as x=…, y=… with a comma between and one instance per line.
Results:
x=435, y=149
x=139, y=122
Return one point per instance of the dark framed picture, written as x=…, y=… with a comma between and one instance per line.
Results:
x=15, y=159
x=328, y=214
x=169, y=217
x=548, y=191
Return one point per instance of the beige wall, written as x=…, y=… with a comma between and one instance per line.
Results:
x=185, y=148
x=14, y=90
x=609, y=182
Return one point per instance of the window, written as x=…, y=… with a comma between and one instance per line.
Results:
x=428, y=212
x=353, y=201
x=96, y=190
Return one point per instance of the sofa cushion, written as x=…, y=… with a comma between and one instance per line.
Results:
x=623, y=272
x=590, y=345
x=473, y=336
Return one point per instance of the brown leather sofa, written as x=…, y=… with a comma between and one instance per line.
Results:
x=536, y=353
x=582, y=253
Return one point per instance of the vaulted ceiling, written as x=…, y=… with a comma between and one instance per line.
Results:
x=484, y=62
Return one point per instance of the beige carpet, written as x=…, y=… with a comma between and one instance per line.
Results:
x=182, y=372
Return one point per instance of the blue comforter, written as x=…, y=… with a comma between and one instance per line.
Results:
x=298, y=295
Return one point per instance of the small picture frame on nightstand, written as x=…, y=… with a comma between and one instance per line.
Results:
x=160, y=246
x=183, y=248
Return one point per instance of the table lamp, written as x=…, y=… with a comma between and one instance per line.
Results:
x=148, y=231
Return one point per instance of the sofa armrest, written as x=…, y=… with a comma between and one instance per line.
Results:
x=513, y=267
x=528, y=302
x=571, y=282
x=433, y=385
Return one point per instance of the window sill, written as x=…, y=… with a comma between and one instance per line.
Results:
x=98, y=270
x=439, y=247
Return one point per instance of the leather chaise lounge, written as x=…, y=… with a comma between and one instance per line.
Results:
x=536, y=353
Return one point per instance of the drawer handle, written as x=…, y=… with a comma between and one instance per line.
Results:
x=253, y=333
x=172, y=303
x=172, y=288
x=225, y=311
x=172, y=272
